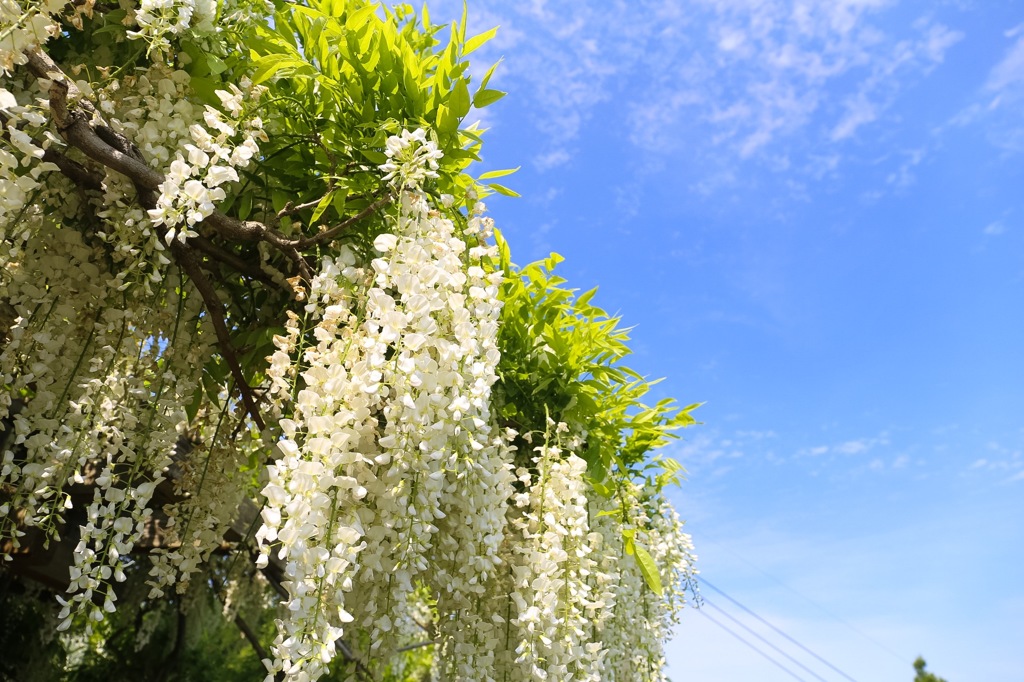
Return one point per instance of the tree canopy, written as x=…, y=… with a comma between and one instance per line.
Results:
x=269, y=369
x=923, y=675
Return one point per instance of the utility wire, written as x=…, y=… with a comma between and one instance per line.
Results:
x=765, y=641
x=740, y=637
x=705, y=582
x=807, y=599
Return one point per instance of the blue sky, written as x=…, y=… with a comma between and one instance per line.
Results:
x=813, y=215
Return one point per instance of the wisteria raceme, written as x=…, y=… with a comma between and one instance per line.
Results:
x=552, y=595
x=417, y=348
x=193, y=183
x=151, y=390
x=312, y=520
x=158, y=22
x=197, y=524
x=101, y=409
x=57, y=294
x=636, y=653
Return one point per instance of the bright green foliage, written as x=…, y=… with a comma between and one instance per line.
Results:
x=345, y=79
x=561, y=358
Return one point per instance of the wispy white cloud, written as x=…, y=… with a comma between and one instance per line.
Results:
x=552, y=159
x=1006, y=463
x=1009, y=72
x=711, y=454
x=771, y=72
x=855, y=446
x=560, y=65
x=995, y=228
x=725, y=80
x=999, y=106
x=705, y=450
x=859, y=111
x=903, y=176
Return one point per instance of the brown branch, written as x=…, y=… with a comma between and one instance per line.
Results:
x=251, y=637
x=231, y=259
x=190, y=264
x=426, y=627
x=74, y=171
x=328, y=235
x=350, y=656
x=418, y=645
x=292, y=209
x=83, y=127
x=77, y=125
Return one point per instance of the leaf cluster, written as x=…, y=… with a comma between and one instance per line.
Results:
x=561, y=360
x=562, y=356
x=343, y=76
x=923, y=675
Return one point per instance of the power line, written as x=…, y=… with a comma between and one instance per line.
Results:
x=740, y=637
x=807, y=599
x=705, y=582
x=766, y=642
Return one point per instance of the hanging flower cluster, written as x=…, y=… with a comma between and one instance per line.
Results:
x=158, y=22
x=193, y=183
x=553, y=596
x=108, y=382
x=202, y=149
x=391, y=423
x=636, y=652
x=106, y=343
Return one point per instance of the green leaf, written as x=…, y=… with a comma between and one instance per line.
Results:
x=627, y=536
x=458, y=101
x=476, y=41
x=113, y=23
x=498, y=173
x=484, y=97
x=446, y=122
x=339, y=200
x=462, y=21
x=490, y=72
x=359, y=18
x=648, y=569
x=279, y=199
x=266, y=67
x=212, y=387
x=501, y=189
x=215, y=64
x=244, y=205
x=192, y=409
x=206, y=89
x=325, y=201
